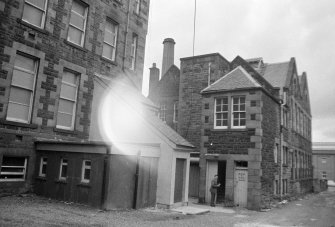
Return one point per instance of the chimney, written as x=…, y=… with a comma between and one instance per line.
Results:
x=168, y=54
x=153, y=80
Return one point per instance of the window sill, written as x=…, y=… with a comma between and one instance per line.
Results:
x=19, y=124
x=61, y=181
x=65, y=131
x=75, y=45
x=118, y=2
x=230, y=129
x=108, y=60
x=85, y=185
x=41, y=178
x=41, y=30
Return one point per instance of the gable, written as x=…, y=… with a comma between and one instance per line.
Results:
x=238, y=61
x=238, y=78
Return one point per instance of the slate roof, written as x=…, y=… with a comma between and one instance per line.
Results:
x=150, y=118
x=277, y=73
x=171, y=134
x=238, y=78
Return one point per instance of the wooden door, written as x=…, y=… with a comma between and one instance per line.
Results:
x=147, y=182
x=193, y=189
x=240, y=187
x=179, y=180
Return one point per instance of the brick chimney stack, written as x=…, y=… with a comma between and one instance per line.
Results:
x=168, y=54
x=153, y=81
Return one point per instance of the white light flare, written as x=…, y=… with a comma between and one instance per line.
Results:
x=120, y=118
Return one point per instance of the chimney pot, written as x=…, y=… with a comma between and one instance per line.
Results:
x=168, y=55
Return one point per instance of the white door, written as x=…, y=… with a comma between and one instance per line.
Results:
x=240, y=187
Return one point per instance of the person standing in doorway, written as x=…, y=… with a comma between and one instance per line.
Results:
x=213, y=190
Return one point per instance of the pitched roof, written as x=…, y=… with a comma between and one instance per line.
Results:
x=148, y=117
x=238, y=78
x=171, y=134
x=277, y=73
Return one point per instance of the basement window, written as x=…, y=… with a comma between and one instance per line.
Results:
x=63, y=169
x=13, y=169
x=43, y=167
x=86, y=171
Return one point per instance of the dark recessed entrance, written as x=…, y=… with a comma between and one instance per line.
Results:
x=222, y=179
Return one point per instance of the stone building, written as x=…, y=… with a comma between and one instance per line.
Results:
x=50, y=52
x=324, y=161
x=250, y=123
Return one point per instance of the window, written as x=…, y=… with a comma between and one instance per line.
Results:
x=323, y=160
x=276, y=187
x=77, y=24
x=324, y=175
x=284, y=186
x=238, y=112
x=34, y=12
x=43, y=167
x=133, y=52
x=67, y=101
x=137, y=6
x=13, y=169
x=22, y=89
x=275, y=153
x=63, y=169
x=285, y=155
x=175, y=112
x=110, y=39
x=86, y=171
x=162, y=113
x=221, y=113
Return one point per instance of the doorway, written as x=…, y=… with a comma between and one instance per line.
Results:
x=222, y=180
x=179, y=180
x=241, y=184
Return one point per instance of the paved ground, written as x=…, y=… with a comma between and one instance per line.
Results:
x=313, y=210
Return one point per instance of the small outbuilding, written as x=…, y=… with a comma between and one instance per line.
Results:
x=133, y=163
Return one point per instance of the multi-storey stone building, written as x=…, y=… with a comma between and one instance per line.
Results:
x=249, y=121
x=50, y=52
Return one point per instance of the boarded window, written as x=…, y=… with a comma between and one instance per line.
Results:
x=13, y=169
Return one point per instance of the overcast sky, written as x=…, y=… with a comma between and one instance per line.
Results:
x=273, y=29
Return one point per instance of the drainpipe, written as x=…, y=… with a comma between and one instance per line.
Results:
x=125, y=37
x=136, y=178
x=281, y=148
